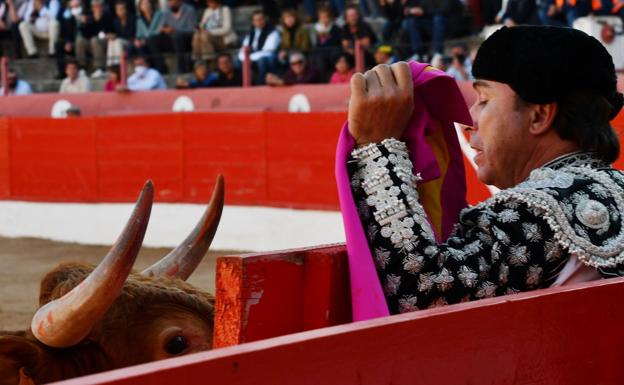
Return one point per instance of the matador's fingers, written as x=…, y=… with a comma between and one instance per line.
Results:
x=403, y=75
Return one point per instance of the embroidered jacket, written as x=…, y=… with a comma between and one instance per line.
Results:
x=518, y=240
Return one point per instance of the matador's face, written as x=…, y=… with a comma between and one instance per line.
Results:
x=500, y=134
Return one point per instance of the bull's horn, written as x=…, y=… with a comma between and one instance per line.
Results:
x=183, y=260
x=68, y=320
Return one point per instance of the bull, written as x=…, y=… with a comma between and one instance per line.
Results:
x=93, y=319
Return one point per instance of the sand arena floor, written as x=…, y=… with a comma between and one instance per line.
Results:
x=24, y=261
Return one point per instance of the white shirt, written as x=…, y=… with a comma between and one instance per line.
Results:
x=47, y=13
x=271, y=44
x=146, y=79
x=78, y=86
x=21, y=88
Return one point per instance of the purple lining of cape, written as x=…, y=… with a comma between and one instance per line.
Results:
x=436, y=95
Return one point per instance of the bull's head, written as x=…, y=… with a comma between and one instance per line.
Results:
x=107, y=317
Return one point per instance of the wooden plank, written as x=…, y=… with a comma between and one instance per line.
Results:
x=133, y=149
x=5, y=159
x=232, y=144
x=327, y=294
x=300, y=158
x=53, y=159
x=568, y=335
x=261, y=296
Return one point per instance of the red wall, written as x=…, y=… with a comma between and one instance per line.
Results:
x=269, y=159
x=566, y=336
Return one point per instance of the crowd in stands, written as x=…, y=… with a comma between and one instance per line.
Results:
x=87, y=38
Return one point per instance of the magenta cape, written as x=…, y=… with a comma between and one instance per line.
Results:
x=435, y=154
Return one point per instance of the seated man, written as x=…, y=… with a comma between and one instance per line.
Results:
x=145, y=78
x=263, y=41
x=298, y=73
x=40, y=22
x=76, y=81
x=179, y=22
x=16, y=86
x=202, y=78
x=227, y=74
x=540, y=133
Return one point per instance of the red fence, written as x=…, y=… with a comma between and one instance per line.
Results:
x=268, y=159
x=568, y=335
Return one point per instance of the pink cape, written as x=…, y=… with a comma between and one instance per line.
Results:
x=435, y=154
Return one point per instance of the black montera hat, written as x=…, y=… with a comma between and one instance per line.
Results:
x=542, y=64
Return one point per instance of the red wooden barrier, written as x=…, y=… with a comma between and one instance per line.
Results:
x=568, y=335
x=5, y=160
x=268, y=159
x=261, y=296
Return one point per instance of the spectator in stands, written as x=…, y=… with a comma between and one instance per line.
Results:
x=145, y=78
x=148, y=25
x=490, y=9
x=562, y=13
x=328, y=42
x=93, y=29
x=215, y=32
x=518, y=12
x=393, y=10
x=295, y=37
x=263, y=41
x=327, y=33
x=16, y=86
x=11, y=12
x=384, y=54
x=114, y=78
x=202, y=77
x=179, y=21
x=65, y=46
x=609, y=7
x=124, y=31
x=460, y=67
x=298, y=73
x=76, y=81
x=427, y=18
x=228, y=75
x=40, y=22
x=344, y=69
x=356, y=29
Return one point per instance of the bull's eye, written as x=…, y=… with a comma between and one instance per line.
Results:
x=176, y=345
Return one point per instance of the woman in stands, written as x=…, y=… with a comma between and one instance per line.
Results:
x=215, y=32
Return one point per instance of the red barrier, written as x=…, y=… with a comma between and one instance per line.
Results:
x=5, y=160
x=568, y=335
x=261, y=296
x=268, y=159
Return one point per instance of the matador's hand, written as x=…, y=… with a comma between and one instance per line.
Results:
x=382, y=102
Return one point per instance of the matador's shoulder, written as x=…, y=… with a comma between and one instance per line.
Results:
x=583, y=206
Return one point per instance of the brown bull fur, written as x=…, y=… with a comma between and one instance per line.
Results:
x=130, y=333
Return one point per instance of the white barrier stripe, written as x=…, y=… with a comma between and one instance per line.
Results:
x=241, y=228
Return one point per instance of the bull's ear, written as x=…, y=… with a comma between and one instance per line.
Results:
x=19, y=358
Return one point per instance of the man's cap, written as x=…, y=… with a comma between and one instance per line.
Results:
x=542, y=64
